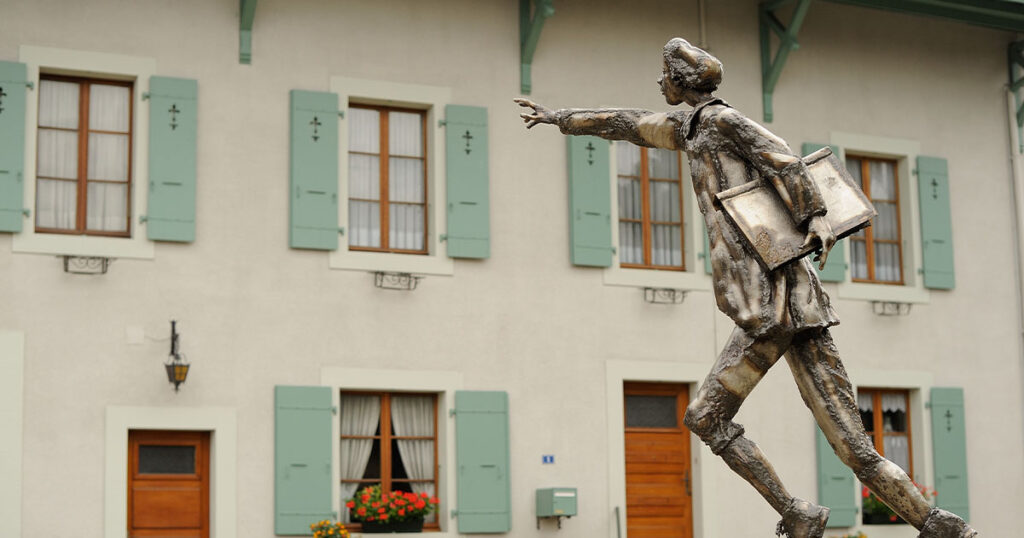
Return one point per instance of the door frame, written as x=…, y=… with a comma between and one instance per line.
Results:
x=221, y=422
x=703, y=477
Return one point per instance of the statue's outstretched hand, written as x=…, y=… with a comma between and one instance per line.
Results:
x=819, y=230
x=541, y=114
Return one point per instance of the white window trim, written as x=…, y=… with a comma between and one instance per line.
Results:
x=101, y=65
x=432, y=99
x=219, y=421
x=919, y=385
x=705, y=477
x=12, y=363
x=905, y=152
x=694, y=277
x=442, y=383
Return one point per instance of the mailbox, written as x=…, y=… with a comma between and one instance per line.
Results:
x=556, y=503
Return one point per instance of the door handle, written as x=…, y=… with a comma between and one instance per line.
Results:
x=686, y=481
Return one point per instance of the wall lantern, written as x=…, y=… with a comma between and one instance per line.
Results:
x=177, y=365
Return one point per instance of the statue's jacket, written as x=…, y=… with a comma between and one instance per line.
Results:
x=726, y=149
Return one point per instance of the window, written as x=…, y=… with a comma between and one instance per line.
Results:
x=389, y=439
x=84, y=152
x=886, y=417
x=650, y=196
x=387, y=179
x=875, y=251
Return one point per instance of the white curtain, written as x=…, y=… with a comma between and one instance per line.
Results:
x=360, y=415
x=108, y=156
x=57, y=200
x=865, y=402
x=406, y=183
x=413, y=416
x=364, y=177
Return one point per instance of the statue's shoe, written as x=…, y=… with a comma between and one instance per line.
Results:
x=943, y=524
x=803, y=520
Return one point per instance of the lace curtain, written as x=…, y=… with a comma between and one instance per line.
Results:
x=406, y=185
x=360, y=415
x=413, y=416
x=108, y=156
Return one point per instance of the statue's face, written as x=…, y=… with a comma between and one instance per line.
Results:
x=674, y=95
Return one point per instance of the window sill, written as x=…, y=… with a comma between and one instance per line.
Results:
x=883, y=292
x=81, y=245
x=651, y=278
x=398, y=263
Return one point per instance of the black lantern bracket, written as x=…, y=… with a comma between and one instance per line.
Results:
x=177, y=365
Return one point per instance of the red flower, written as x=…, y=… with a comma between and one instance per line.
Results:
x=424, y=495
x=864, y=492
x=361, y=510
x=351, y=504
x=375, y=504
x=383, y=517
x=892, y=518
x=366, y=498
x=401, y=511
x=420, y=505
x=369, y=518
x=381, y=510
x=434, y=500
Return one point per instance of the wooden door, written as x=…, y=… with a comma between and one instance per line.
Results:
x=168, y=484
x=658, y=481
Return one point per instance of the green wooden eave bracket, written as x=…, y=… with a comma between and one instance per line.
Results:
x=247, y=14
x=1015, y=61
x=768, y=24
x=530, y=25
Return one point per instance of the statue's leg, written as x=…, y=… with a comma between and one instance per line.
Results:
x=741, y=365
x=827, y=391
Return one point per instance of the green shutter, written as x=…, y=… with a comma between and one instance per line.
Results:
x=936, y=222
x=13, y=85
x=302, y=458
x=314, y=170
x=835, y=265
x=836, y=488
x=469, y=228
x=171, y=206
x=482, y=453
x=949, y=447
x=590, y=201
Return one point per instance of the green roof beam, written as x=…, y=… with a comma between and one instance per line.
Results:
x=998, y=14
x=771, y=68
x=247, y=14
x=529, y=34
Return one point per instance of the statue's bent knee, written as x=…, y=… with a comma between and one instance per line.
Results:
x=712, y=423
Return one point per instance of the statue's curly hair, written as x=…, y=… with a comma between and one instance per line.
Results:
x=691, y=67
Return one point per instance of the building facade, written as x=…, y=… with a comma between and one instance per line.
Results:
x=266, y=175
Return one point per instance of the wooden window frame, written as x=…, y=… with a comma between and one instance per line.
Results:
x=385, y=176
x=646, y=223
x=82, y=181
x=878, y=433
x=384, y=438
x=869, y=233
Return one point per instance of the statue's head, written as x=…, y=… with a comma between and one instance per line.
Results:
x=689, y=70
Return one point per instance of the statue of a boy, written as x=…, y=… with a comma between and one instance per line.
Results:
x=780, y=312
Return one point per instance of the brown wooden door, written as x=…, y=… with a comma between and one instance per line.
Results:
x=168, y=484
x=658, y=492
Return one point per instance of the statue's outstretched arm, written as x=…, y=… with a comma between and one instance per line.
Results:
x=641, y=127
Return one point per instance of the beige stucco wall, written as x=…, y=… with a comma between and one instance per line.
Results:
x=255, y=313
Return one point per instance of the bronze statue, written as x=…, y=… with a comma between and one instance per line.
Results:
x=777, y=312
